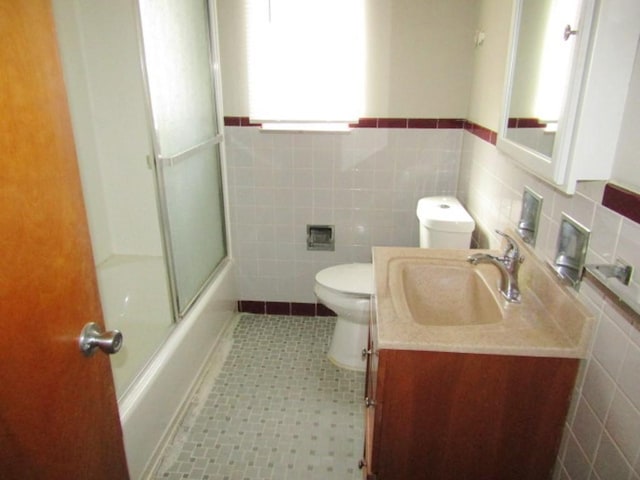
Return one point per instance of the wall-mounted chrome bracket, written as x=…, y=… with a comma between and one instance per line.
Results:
x=624, y=289
x=619, y=270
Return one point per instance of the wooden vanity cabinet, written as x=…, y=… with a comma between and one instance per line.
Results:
x=369, y=399
x=438, y=415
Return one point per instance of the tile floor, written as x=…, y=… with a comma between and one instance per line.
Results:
x=274, y=408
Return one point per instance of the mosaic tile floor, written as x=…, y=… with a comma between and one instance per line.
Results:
x=275, y=409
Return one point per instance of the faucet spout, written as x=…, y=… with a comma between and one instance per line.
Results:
x=508, y=264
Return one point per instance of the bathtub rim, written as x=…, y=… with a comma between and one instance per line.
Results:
x=176, y=333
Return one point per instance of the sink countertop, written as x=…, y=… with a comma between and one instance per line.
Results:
x=550, y=321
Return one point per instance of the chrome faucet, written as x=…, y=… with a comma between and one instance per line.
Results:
x=508, y=264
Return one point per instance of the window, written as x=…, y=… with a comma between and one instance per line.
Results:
x=306, y=61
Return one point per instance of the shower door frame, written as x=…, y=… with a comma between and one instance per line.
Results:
x=159, y=163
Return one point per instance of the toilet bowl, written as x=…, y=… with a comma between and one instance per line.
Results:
x=346, y=289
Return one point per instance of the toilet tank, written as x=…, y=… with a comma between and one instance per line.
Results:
x=444, y=223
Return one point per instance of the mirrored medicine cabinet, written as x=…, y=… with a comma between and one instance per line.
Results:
x=568, y=72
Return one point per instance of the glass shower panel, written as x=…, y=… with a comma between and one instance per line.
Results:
x=178, y=58
x=177, y=54
x=194, y=214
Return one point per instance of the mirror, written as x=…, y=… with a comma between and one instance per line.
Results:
x=541, y=71
x=549, y=40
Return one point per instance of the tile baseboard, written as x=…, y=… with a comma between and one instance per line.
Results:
x=285, y=308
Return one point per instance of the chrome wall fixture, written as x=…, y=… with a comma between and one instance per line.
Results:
x=620, y=271
x=617, y=280
x=320, y=237
x=529, y=216
x=571, y=250
x=568, y=31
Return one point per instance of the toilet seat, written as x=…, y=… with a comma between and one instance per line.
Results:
x=352, y=278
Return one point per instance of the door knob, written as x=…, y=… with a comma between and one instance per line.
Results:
x=92, y=337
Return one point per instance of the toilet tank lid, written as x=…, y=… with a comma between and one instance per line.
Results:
x=444, y=214
x=354, y=278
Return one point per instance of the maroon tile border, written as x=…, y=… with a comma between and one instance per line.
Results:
x=278, y=308
x=285, y=308
x=451, y=123
x=393, y=122
x=365, y=123
x=481, y=132
x=515, y=122
x=249, y=306
x=303, y=309
x=322, y=311
x=232, y=122
x=424, y=123
x=373, y=122
x=239, y=122
x=623, y=201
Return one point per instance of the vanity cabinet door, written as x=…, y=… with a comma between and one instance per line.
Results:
x=447, y=416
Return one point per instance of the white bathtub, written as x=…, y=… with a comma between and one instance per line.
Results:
x=129, y=288
x=135, y=300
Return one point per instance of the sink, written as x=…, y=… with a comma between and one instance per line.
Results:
x=437, y=293
x=435, y=300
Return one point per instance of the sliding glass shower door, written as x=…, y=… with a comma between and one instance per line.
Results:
x=178, y=53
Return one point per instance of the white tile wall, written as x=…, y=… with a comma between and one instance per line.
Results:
x=602, y=434
x=366, y=183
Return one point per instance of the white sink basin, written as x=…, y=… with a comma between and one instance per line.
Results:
x=436, y=293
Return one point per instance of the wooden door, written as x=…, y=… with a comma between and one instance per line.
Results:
x=58, y=411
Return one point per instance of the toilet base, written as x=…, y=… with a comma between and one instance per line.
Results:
x=348, y=341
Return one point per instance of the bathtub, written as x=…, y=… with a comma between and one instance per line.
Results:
x=133, y=293
x=134, y=297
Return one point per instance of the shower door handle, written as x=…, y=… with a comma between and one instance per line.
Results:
x=93, y=337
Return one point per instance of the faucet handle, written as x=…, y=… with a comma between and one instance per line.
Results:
x=512, y=251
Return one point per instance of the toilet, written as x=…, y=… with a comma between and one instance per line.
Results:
x=346, y=289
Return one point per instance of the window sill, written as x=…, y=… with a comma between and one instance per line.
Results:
x=310, y=127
